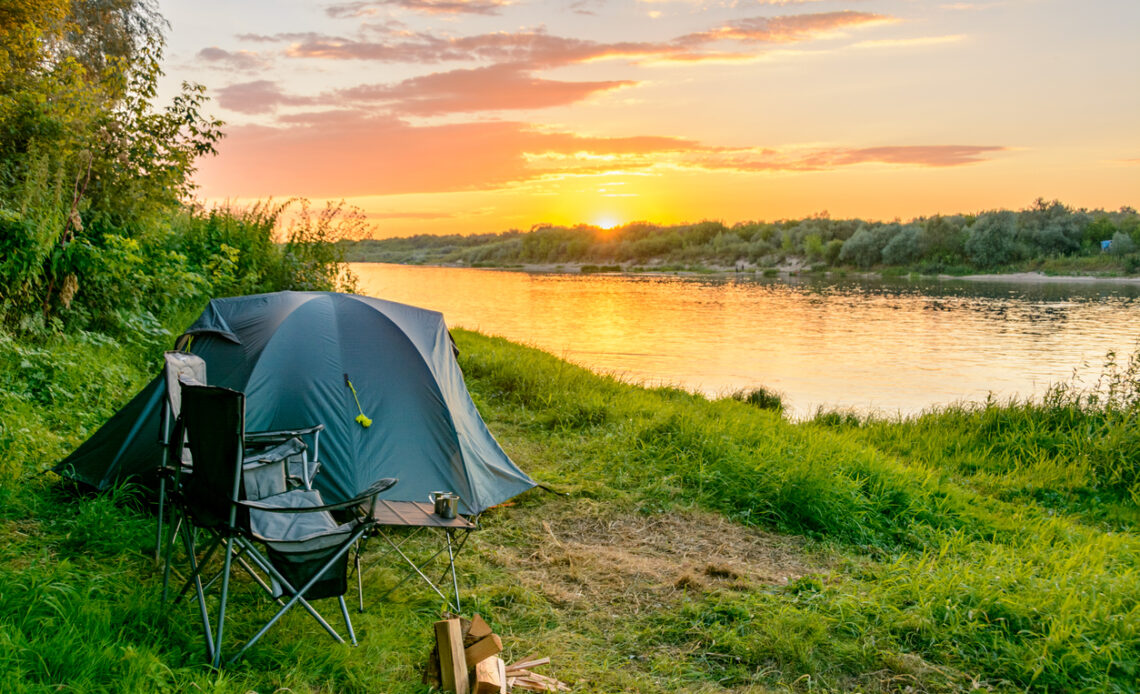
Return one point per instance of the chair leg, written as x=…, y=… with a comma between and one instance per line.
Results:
x=347, y=620
x=222, y=608
x=197, y=566
x=188, y=541
x=359, y=584
x=161, y=515
x=169, y=556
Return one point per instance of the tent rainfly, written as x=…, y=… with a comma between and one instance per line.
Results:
x=293, y=354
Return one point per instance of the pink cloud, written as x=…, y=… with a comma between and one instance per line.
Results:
x=367, y=9
x=232, y=60
x=539, y=49
x=785, y=29
x=838, y=157
x=341, y=155
x=383, y=155
x=259, y=96
x=497, y=87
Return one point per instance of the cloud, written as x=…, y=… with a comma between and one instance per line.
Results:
x=369, y=9
x=911, y=42
x=785, y=29
x=346, y=155
x=497, y=87
x=537, y=48
x=540, y=49
x=259, y=96
x=232, y=60
x=819, y=159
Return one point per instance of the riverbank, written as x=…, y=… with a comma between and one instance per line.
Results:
x=704, y=546
x=785, y=271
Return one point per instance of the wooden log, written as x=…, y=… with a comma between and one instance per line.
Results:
x=482, y=649
x=452, y=666
x=502, y=667
x=479, y=628
x=489, y=676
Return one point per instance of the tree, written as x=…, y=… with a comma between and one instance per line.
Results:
x=862, y=249
x=992, y=239
x=905, y=247
x=85, y=153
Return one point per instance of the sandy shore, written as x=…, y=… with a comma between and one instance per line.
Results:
x=1041, y=278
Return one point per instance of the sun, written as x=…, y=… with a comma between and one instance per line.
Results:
x=606, y=223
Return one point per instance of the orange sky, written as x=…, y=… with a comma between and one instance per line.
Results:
x=465, y=116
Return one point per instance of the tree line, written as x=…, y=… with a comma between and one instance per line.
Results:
x=1047, y=235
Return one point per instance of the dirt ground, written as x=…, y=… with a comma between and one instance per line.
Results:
x=591, y=556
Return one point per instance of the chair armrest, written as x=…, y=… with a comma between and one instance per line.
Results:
x=371, y=493
x=281, y=434
x=287, y=448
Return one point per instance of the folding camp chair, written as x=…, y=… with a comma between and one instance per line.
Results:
x=307, y=550
x=177, y=459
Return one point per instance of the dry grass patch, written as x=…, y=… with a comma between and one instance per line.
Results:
x=582, y=555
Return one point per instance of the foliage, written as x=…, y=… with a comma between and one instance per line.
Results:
x=1045, y=234
x=761, y=397
x=993, y=239
x=86, y=156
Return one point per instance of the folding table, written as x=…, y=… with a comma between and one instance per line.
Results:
x=418, y=516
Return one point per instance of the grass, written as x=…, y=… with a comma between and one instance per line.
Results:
x=990, y=546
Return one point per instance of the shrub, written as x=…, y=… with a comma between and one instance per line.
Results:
x=861, y=249
x=905, y=247
x=761, y=397
x=1122, y=244
x=992, y=239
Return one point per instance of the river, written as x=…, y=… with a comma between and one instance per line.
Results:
x=886, y=346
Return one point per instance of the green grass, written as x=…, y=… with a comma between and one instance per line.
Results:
x=991, y=546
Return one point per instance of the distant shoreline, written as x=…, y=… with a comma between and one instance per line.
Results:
x=785, y=272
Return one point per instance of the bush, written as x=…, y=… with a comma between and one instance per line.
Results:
x=992, y=239
x=1122, y=244
x=905, y=247
x=861, y=249
x=760, y=397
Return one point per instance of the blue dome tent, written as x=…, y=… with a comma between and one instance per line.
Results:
x=293, y=355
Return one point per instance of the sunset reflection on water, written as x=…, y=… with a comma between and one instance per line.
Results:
x=885, y=346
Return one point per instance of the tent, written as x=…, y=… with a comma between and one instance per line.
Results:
x=293, y=354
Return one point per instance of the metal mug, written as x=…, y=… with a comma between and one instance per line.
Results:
x=446, y=504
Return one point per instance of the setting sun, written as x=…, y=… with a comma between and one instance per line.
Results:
x=606, y=223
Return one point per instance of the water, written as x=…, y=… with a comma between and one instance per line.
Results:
x=885, y=346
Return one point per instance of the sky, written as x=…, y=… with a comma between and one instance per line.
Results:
x=477, y=116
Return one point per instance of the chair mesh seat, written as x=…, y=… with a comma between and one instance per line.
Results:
x=296, y=532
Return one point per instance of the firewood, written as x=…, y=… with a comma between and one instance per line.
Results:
x=488, y=676
x=482, y=649
x=479, y=628
x=453, y=667
x=527, y=664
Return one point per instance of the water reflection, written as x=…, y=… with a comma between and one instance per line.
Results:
x=894, y=346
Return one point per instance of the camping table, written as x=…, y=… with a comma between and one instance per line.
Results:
x=418, y=516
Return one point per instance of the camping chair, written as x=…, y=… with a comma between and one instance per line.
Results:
x=177, y=461
x=306, y=549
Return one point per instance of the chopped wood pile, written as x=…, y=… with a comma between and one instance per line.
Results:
x=466, y=660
